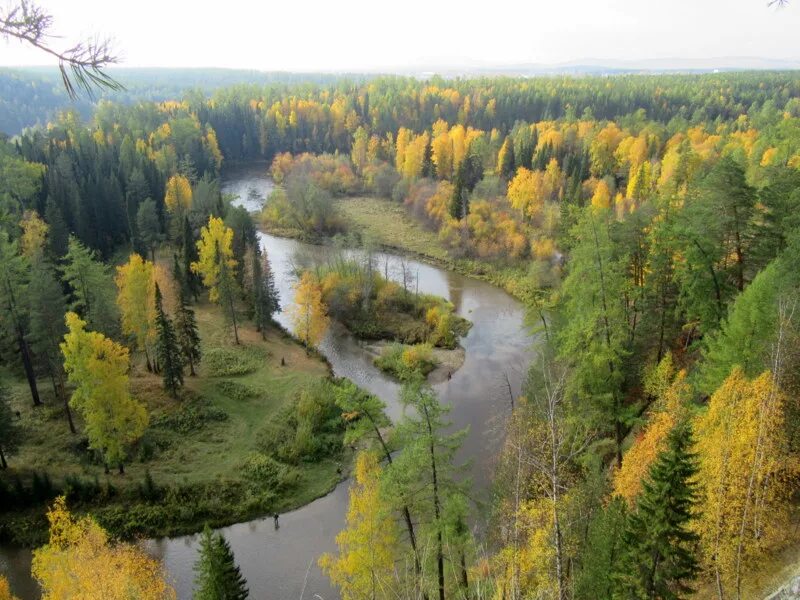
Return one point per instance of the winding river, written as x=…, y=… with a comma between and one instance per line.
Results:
x=282, y=563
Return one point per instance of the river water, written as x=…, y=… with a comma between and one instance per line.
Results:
x=282, y=563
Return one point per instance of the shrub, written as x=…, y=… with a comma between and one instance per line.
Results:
x=407, y=362
x=189, y=417
x=225, y=362
x=263, y=471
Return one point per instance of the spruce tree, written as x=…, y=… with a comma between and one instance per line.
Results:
x=660, y=548
x=188, y=338
x=265, y=296
x=217, y=576
x=169, y=352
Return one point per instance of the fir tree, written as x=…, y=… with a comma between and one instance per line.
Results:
x=218, y=577
x=169, y=352
x=659, y=559
x=188, y=338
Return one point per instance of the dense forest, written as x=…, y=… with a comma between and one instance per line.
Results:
x=648, y=223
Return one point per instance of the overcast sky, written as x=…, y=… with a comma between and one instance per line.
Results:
x=325, y=35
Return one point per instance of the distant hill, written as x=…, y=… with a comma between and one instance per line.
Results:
x=32, y=96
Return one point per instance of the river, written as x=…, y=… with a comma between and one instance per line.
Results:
x=282, y=563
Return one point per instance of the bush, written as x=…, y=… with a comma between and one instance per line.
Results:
x=224, y=362
x=234, y=390
x=263, y=471
x=307, y=430
x=190, y=417
x=407, y=362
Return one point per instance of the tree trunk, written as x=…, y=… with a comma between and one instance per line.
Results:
x=436, y=510
x=121, y=468
x=233, y=318
x=406, y=513
x=191, y=367
x=464, y=573
x=62, y=393
x=25, y=353
x=3, y=463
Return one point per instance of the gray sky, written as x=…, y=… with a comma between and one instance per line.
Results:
x=315, y=35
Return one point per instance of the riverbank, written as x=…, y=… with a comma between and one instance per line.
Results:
x=389, y=223
x=203, y=458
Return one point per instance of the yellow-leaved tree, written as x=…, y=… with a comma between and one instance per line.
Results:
x=98, y=368
x=309, y=314
x=217, y=267
x=178, y=195
x=135, y=298
x=525, y=192
x=742, y=456
x=671, y=394
x=365, y=566
x=601, y=199
x=34, y=235
x=214, y=246
x=5, y=590
x=80, y=562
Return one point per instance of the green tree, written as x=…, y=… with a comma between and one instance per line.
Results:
x=659, y=559
x=594, y=334
x=187, y=335
x=93, y=288
x=264, y=295
x=10, y=434
x=14, y=277
x=149, y=227
x=217, y=576
x=717, y=232
x=366, y=421
x=506, y=162
x=190, y=256
x=422, y=475
x=169, y=353
x=47, y=309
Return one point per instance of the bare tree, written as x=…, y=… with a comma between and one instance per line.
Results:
x=82, y=65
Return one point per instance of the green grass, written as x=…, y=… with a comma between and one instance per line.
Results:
x=194, y=449
x=390, y=225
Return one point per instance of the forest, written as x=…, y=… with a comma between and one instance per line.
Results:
x=648, y=224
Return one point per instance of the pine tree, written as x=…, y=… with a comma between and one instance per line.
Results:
x=218, y=577
x=168, y=349
x=660, y=548
x=188, y=338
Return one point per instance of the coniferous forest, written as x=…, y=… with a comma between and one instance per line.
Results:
x=155, y=382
